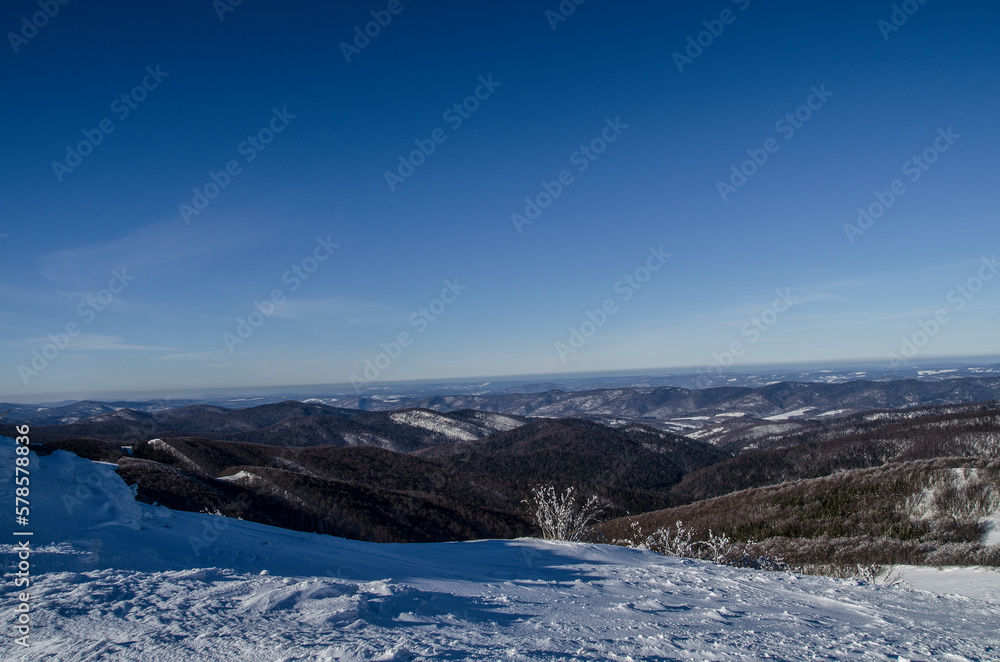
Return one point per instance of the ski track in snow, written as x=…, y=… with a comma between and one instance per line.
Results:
x=124, y=580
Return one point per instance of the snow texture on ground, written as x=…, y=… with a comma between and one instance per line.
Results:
x=977, y=583
x=121, y=580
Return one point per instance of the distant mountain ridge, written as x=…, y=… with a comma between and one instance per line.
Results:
x=670, y=408
x=285, y=424
x=680, y=409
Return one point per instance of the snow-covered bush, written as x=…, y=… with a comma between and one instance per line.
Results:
x=563, y=516
x=718, y=548
x=662, y=541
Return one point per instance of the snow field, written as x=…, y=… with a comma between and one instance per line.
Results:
x=626, y=606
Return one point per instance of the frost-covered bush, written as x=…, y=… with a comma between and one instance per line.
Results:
x=718, y=548
x=664, y=541
x=870, y=573
x=564, y=516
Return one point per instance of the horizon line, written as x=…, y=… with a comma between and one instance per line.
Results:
x=346, y=387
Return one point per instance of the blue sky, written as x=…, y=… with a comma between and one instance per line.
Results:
x=211, y=85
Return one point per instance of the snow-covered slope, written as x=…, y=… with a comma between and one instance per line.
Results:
x=434, y=422
x=127, y=581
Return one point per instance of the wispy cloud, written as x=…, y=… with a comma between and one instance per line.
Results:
x=148, y=246
x=88, y=342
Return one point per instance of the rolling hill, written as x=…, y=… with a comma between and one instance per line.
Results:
x=288, y=423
